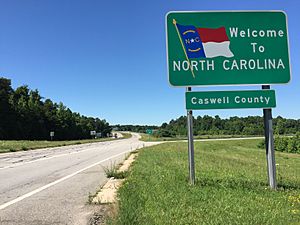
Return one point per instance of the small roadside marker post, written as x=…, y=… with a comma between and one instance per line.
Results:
x=269, y=142
x=191, y=143
x=93, y=134
x=51, y=135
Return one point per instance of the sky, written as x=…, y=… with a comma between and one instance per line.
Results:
x=107, y=59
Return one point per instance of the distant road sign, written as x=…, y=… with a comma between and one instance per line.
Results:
x=51, y=135
x=149, y=131
x=227, y=48
x=93, y=132
x=230, y=99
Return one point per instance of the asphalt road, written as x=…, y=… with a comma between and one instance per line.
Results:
x=51, y=186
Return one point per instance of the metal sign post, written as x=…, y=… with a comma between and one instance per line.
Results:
x=191, y=143
x=269, y=141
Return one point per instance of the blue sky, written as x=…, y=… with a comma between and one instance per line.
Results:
x=107, y=59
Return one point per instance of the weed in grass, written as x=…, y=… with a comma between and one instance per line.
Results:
x=91, y=197
x=112, y=171
x=134, y=152
x=126, y=157
x=121, y=175
x=279, y=176
x=24, y=148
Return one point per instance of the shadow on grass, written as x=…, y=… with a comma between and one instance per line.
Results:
x=238, y=183
x=288, y=187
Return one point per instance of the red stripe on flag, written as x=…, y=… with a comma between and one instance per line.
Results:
x=213, y=35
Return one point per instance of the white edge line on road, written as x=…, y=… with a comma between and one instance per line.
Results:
x=3, y=206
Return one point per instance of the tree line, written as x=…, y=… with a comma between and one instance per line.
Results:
x=284, y=143
x=25, y=115
x=207, y=125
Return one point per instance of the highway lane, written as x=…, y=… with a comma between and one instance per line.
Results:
x=51, y=186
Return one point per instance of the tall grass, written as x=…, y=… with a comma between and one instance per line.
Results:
x=231, y=186
x=147, y=137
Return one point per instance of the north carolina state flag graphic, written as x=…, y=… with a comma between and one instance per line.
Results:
x=204, y=42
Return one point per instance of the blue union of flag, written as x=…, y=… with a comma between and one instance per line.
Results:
x=192, y=41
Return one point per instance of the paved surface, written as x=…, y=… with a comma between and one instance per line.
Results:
x=51, y=186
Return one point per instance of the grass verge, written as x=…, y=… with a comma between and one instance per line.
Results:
x=24, y=145
x=126, y=135
x=147, y=137
x=231, y=186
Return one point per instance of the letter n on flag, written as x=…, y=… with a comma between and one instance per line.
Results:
x=205, y=42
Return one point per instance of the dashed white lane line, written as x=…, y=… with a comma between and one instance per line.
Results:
x=3, y=206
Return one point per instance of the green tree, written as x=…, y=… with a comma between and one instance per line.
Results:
x=7, y=114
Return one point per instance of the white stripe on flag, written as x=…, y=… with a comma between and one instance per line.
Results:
x=214, y=49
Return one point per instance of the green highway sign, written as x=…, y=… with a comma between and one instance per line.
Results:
x=227, y=48
x=230, y=99
x=149, y=131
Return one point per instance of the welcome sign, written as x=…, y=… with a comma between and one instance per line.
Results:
x=227, y=48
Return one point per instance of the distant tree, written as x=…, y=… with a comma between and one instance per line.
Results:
x=279, y=126
x=24, y=115
x=7, y=115
x=251, y=125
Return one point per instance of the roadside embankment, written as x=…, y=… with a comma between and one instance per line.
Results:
x=231, y=186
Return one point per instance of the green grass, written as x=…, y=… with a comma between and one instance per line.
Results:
x=147, y=137
x=24, y=145
x=126, y=135
x=231, y=186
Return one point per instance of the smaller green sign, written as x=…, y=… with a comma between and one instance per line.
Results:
x=230, y=99
x=149, y=131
